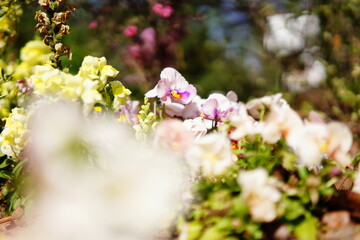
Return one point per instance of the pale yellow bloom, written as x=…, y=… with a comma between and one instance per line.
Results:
x=33, y=53
x=13, y=136
x=120, y=94
x=96, y=69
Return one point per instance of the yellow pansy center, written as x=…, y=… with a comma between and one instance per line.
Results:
x=98, y=109
x=324, y=146
x=212, y=157
x=175, y=94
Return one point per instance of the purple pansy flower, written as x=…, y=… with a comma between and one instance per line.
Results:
x=217, y=106
x=172, y=87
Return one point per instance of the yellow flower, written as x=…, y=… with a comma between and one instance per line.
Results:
x=33, y=53
x=120, y=94
x=90, y=94
x=13, y=136
x=96, y=69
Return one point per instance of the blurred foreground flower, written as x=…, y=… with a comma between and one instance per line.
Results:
x=211, y=155
x=260, y=194
x=94, y=181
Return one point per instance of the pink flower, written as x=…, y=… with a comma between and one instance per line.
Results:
x=93, y=24
x=130, y=31
x=172, y=87
x=166, y=11
x=135, y=50
x=163, y=11
x=157, y=8
x=172, y=134
x=144, y=50
x=217, y=106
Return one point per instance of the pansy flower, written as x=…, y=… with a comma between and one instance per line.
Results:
x=217, y=106
x=172, y=87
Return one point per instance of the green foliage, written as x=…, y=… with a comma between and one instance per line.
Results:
x=13, y=178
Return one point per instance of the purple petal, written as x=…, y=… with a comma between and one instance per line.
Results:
x=210, y=109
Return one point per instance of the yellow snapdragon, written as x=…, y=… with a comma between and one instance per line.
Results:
x=57, y=84
x=13, y=136
x=85, y=86
x=96, y=69
x=120, y=94
x=33, y=53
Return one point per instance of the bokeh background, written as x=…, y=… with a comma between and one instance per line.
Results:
x=308, y=50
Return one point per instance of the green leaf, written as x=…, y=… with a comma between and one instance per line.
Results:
x=17, y=169
x=5, y=163
x=294, y=210
x=288, y=161
x=213, y=233
x=5, y=190
x=307, y=229
x=5, y=175
x=194, y=230
x=303, y=172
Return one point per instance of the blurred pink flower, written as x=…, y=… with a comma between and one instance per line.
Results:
x=144, y=49
x=135, y=50
x=166, y=11
x=163, y=11
x=130, y=31
x=93, y=24
x=172, y=134
x=172, y=87
x=157, y=8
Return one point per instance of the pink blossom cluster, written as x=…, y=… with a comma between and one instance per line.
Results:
x=162, y=10
x=130, y=31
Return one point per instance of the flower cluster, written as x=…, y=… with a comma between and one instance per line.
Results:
x=240, y=156
x=13, y=138
x=85, y=86
x=33, y=53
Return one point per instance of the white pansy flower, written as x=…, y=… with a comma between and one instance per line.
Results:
x=259, y=194
x=280, y=122
x=197, y=126
x=315, y=141
x=255, y=106
x=244, y=124
x=211, y=154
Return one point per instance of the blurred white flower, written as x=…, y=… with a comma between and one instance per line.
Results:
x=172, y=134
x=198, y=126
x=259, y=194
x=312, y=76
x=95, y=181
x=286, y=34
x=211, y=154
x=315, y=141
x=244, y=124
x=255, y=106
x=280, y=122
x=315, y=74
